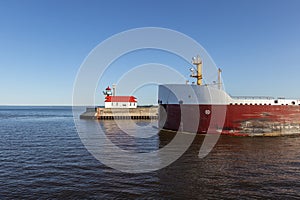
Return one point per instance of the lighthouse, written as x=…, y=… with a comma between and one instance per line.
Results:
x=118, y=101
x=107, y=91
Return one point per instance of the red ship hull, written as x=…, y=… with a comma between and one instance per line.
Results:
x=240, y=120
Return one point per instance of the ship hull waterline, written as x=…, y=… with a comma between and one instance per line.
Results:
x=239, y=120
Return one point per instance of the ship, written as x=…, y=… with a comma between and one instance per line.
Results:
x=208, y=109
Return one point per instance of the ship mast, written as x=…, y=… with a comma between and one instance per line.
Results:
x=198, y=62
x=219, y=78
x=114, y=89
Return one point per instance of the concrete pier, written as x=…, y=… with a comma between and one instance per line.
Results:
x=141, y=112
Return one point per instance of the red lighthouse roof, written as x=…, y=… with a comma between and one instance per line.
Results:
x=130, y=99
x=108, y=88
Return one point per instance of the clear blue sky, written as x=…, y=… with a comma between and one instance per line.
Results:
x=43, y=43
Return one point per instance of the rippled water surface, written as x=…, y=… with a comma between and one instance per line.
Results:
x=42, y=156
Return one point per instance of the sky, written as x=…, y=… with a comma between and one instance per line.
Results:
x=43, y=43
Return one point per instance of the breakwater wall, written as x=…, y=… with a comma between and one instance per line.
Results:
x=141, y=112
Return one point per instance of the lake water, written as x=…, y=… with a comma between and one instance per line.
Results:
x=42, y=156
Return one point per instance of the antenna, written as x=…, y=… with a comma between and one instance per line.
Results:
x=192, y=70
